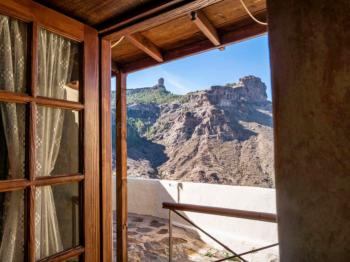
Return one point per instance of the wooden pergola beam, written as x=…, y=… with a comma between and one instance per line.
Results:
x=151, y=9
x=137, y=25
x=146, y=46
x=241, y=32
x=207, y=28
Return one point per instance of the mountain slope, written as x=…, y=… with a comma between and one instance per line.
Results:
x=156, y=94
x=221, y=135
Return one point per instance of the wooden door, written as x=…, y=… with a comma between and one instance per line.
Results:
x=49, y=136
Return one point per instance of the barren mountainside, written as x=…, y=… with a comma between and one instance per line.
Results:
x=221, y=135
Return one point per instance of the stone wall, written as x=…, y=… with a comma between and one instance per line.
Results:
x=310, y=54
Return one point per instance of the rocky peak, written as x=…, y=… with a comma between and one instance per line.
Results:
x=160, y=82
x=160, y=86
x=251, y=88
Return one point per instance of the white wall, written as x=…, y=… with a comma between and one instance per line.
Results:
x=146, y=197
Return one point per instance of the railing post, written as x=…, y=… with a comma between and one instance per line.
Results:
x=170, y=237
x=176, y=207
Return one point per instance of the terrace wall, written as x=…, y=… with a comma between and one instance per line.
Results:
x=145, y=197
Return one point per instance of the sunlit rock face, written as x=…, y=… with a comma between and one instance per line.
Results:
x=220, y=135
x=250, y=89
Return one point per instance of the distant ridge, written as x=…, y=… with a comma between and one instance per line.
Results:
x=156, y=94
x=159, y=87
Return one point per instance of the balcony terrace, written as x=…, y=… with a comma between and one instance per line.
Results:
x=148, y=223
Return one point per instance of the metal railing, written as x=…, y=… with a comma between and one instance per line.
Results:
x=259, y=216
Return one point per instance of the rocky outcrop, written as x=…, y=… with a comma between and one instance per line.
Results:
x=221, y=135
x=158, y=87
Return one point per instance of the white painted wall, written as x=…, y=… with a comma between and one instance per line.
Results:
x=146, y=197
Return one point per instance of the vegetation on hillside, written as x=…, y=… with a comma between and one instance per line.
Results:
x=152, y=95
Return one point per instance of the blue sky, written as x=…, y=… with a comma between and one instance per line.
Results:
x=250, y=57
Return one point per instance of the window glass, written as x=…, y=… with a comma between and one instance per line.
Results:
x=57, y=215
x=58, y=67
x=13, y=55
x=57, y=141
x=12, y=140
x=12, y=230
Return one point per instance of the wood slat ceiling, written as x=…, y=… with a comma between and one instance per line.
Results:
x=230, y=11
x=98, y=12
x=183, y=32
x=167, y=38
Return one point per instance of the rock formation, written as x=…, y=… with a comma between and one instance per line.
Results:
x=221, y=135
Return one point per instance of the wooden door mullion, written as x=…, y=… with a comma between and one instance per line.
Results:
x=31, y=223
x=31, y=189
x=32, y=138
x=18, y=98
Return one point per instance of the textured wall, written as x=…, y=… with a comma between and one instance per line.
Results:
x=310, y=58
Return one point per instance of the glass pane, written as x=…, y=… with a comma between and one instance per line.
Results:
x=58, y=67
x=13, y=54
x=12, y=140
x=57, y=141
x=12, y=229
x=57, y=222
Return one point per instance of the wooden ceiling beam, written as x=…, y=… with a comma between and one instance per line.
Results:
x=207, y=28
x=138, y=25
x=146, y=46
x=246, y=30
x=154, y=7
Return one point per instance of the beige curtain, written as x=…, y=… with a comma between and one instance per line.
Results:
x=13, y=79
x=55, y=54
x=55, y=68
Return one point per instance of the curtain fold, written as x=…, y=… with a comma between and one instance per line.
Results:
x=54, y=69
x=13, y=50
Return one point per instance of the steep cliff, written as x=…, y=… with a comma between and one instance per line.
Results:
x=221, y=135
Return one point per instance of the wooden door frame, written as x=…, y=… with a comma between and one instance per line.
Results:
x=132, y=25
x=121, y=168
x=106, y=158
x=106, y=152
x=38, y=16
x=91, y=146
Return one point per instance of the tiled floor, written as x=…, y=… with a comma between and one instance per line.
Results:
x=148, y=241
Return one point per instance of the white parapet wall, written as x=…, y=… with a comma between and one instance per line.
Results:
x=145, y=196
